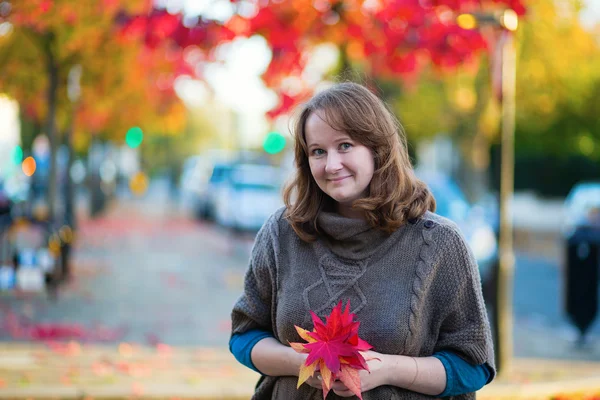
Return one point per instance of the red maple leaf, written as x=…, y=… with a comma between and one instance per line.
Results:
x=334, y=350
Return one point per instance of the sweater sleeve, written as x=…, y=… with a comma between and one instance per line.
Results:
x=253, y=309
x=465, y=329
x=462, y=377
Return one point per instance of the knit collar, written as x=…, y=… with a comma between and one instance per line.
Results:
x=349, y=238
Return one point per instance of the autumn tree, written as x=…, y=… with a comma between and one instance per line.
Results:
x=387, y=40
x=556, y=92
x=47, y=39
x=128, y=52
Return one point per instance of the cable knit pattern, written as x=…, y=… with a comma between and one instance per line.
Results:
x=415, y=292
x=337, y=278
x=421, y=276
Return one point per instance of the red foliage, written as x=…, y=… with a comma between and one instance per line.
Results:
x=286, y=103
x=393, y=38
x=334, y=349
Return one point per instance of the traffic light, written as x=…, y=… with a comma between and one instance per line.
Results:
x=274, y=143
x=134, y=137
x=17, y=155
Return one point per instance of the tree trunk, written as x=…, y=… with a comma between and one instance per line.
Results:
x=50, y=124
x=69, y=189
x=69, y=199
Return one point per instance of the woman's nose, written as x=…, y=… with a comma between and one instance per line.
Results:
x=334, y=163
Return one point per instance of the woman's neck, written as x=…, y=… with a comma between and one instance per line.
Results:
x=346, y=210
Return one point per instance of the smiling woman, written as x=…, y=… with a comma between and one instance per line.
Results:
x=358, y=227
x=342, y=167
x=380, y=184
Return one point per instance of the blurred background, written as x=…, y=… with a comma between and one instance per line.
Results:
x=143, y=144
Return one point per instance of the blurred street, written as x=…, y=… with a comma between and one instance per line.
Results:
x=146, y=273
x=144, y=143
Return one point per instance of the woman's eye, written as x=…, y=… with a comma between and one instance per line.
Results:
x=318, y=152
x=345, y=146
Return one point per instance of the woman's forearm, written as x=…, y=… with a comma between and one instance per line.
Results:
x=425, y=375
x=272, y=358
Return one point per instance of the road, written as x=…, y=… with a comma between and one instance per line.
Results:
x=146, y=273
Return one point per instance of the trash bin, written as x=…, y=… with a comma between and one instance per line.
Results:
x=581, y=275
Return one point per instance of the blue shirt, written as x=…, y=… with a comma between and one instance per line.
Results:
x=461, y=376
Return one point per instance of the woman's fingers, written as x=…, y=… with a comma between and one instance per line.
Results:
x=341, y=390
x=338, y=385
x=344, y=393
x=315, y=381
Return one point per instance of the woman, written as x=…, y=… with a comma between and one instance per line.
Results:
x=359, y=226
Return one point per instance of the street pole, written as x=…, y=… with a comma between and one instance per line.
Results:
x=506, y=253
x=502, y=317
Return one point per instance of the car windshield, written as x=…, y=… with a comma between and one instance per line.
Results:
x=585, y=196
x=255, y=177
x=253, y=186
x=582, y=199
x=220, y=173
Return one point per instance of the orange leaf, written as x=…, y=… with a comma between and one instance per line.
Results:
x=350, y=377
x=306, y=371
x=299, y=347
x=327, y=378
x=304, y=334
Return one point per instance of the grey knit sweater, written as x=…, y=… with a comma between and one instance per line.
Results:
x=415, y=292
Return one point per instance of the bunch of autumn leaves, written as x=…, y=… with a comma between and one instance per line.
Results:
x=333, y=350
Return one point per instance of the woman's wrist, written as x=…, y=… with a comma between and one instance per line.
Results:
x=419, y=374
x=297, y=359
x=402, y=370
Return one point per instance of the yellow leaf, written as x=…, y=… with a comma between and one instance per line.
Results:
x=306, y=371
x=326, y=375
x=304, y=334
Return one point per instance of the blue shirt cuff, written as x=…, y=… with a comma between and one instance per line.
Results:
x=461, y=376
x=241, y=344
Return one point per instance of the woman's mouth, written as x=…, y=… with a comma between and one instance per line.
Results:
x=341, y=178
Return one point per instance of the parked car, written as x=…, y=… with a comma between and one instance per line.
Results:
x=477, y=229
x=249, y=195
x=5, y=201
x=199, y=177
x=191, y=182
x=582, y=207
x=207, y=200
x=582, y=255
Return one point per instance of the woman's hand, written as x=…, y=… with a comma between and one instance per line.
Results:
x=428, y=377
x=315, y=381
x=378, y=376
x=368, y=381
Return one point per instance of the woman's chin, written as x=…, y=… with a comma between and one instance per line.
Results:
x=343, y=200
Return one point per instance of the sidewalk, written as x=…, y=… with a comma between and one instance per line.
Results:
x=139, y=248
x=71, y=370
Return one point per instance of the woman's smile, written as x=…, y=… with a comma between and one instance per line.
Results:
x=340, y=179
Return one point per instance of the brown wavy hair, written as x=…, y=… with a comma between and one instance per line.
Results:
x=395, y=195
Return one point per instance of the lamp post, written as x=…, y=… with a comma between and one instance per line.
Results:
x=507, y=22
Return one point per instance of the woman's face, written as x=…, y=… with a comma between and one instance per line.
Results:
x=342, y=167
